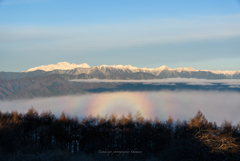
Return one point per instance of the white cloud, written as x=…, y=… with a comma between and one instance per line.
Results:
x=235, y=83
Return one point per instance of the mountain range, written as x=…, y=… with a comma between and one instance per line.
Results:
x=53, y=80
x=120, y=72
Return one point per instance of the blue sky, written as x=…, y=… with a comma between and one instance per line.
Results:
x=201, y=34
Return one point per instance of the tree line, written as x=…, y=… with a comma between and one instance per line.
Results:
x=112, y=136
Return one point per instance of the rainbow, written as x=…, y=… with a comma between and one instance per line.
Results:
x=161, y=104
x=150, y=104
x=178, y=104
x=120, y=103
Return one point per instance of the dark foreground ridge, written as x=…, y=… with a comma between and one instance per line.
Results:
x=33, y=136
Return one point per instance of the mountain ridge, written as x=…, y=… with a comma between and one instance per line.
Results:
x=68, y=66
x=120, y=72
x=58, y=66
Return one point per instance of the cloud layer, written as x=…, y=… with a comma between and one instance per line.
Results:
x=234, y=83
x=216, y=106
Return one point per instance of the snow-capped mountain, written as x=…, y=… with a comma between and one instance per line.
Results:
x=120, y=72
x=59, y=66
x=85, y=68
x=54, y=79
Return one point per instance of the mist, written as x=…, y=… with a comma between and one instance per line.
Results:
x=234, y=83
x=216, y=106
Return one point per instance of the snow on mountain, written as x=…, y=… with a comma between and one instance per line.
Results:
x=229, y=73
x=189, y=69
x=59, y=66
x=155, y=71
x=122, y=67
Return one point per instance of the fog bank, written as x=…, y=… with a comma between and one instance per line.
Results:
x=234, y=83
x=216, y=106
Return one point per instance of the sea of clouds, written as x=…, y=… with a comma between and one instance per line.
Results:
x=233, y=83
x=216, y=106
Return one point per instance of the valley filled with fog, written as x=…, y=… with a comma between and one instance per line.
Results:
x=215, y=105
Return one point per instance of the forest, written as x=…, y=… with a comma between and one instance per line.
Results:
x=44, y=136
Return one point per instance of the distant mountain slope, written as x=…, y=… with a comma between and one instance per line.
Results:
x=45, y=86
x=120, y=72
x=59, y=84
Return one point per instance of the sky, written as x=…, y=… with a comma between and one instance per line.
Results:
x=202, y=34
